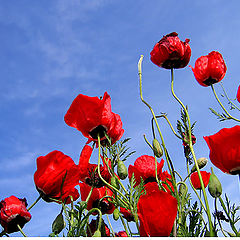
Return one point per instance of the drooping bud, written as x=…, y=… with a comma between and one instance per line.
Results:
x=115, y=183
x=97, y=233
x=202, y=162
x=116, y=214
x=157, y=149
x=214, y=186
x=122, y=170
x=58, y=224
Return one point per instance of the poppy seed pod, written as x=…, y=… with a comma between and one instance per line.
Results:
x=202, y=162
x=122, y=170
x=214, y=186
x=157, y=149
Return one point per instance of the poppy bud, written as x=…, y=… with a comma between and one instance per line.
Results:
x=114, y=182
x=214, y=186
x=97, y=233
x=122, y=170
x=202, y=162
x=116, y=214
x=58, y=224
x=157, y=149
x=182, y=190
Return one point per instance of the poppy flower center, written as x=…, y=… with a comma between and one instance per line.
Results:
x=12, y=225
x=93, y=179
x=210, y=81
x=150, y=179
x=99, y=130
x=172, y=63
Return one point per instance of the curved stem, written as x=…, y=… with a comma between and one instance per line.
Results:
x=224, y=109
x=99, y=172
x=20, y=229
x=229, y=98
x=193, y=154
x=35, y=202
x=159, y=131
x=170, y=125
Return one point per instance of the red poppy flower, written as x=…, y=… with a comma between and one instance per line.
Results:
x=157, y=211
x=225, y=149
x=105, y=205
x=238, y=94
x=209, y=69
x=105, y=231
x=50, y=174
x=88, y=172
x=170, y=52
x=196, y=181
x=144, y=167
x=127, y=214
x=121, y=234
x=13, y=212
x=93, y=116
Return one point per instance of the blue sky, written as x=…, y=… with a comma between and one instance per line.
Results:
x=53, y=50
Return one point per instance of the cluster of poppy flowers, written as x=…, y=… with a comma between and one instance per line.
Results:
x=57, y=175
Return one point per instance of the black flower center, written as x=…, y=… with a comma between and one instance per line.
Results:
x=210, y=81
x=103, y=205
x=99, y=130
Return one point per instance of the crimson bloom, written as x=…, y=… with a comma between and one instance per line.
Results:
x=157, y=211
x=93, y=116
x=52, y=170
x=209, y=69
x=171, y=52
x=144, y=167
x=225, y=149
x=88, y=172
x=196, y=181
x=104, y=205
x=238, y=94
x=13, y=212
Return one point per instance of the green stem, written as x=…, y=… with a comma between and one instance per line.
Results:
x=20, y=229
x=110, y=225
x=229, y=218
x=159, y=131
x=224, y=109
x=170, y=125
x=99, y=173
x=219, y=222
x=35, y=202
x=124, y=225
x=193, y=154
x=235, y=106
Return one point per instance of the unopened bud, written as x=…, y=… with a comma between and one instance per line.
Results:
x=58, y=224
x=116, y=214
x=214, y=186
x=182, y=190
x=115, y=183
x=202, y=162
x=157, y=149
x=97, y=233
x=122, y=170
